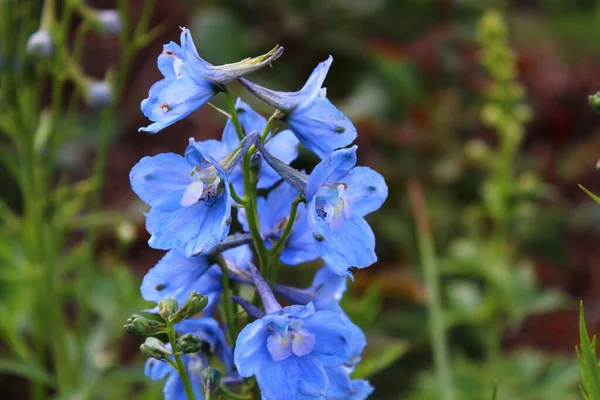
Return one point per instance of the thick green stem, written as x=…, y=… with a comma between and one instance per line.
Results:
x=185, y=378
x=434, y=302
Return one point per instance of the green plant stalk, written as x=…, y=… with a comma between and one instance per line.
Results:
x=434, y=302
x=227, y=303
x=234, y=116
x=185, y=378
x=107, y=126
x=249, y=176
x=278, y=247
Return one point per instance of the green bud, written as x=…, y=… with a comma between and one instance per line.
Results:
x=193, y=305
x=211, y=379
x=154, y=348
x=167, y=307
x=594, y=101
x=189, y=343
x=138, y=325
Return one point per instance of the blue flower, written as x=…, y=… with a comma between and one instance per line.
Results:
x=283, y=144
x=207, y=331
x=288, y=351
x=176, y=276
x=274, y=212
x=291, y=350
x=338, y=196
x=189, y=81
x=189, y=196
x=317, y=123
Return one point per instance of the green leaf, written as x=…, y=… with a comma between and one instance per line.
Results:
x=589, y=370
x=592, y=195
x=495, y=391
x=375, y=362
x=26, y=370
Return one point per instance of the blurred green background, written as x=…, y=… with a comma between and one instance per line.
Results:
x=474, y=111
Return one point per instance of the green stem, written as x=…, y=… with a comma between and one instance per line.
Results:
x=241, y=201
x=276, y=115
x=227, y=304
x=234, y=116
x=185, y=378
x=249, y=176
x=288, y=226
x=434, y=302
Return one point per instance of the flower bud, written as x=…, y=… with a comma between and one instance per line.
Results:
x=98, y=94
x=211, y=379
x=138, y=325
x=108, y=22
x=167, y=307
x=193, y=305
x=189, y=343
x=594, y=101
x=154, y=348
x=39, y=44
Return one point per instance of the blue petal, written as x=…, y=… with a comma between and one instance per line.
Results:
x=329, y=288
x=173, y=389
x=211, y=147
x=340, y=384
x=331, y=169
x=195, y=228
x=351, y=245
x=333, y=336
x=293, y=378
x=284, y=146
x=177, y=100
x=150, y=103
x=167, y=60
x=311, y=89
x=321, y=127
x=239, y=256
x=362, y=389
x=279, y=346
x=161, y=180
x=174, y=276
x=190, y=55
x=251, y=348
x=156, y=370
x=366, y=190
x=287, y=101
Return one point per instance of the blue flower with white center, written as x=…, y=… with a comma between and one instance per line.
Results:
x=283, y=144
x=207, y=331
x=289, y=349
x=317, y=123
x=189, y=196
x=338, y=196
x=190, y=82
x=176, y=275
x=273, y=212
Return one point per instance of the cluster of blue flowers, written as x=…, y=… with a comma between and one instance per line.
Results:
x=306, y=350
